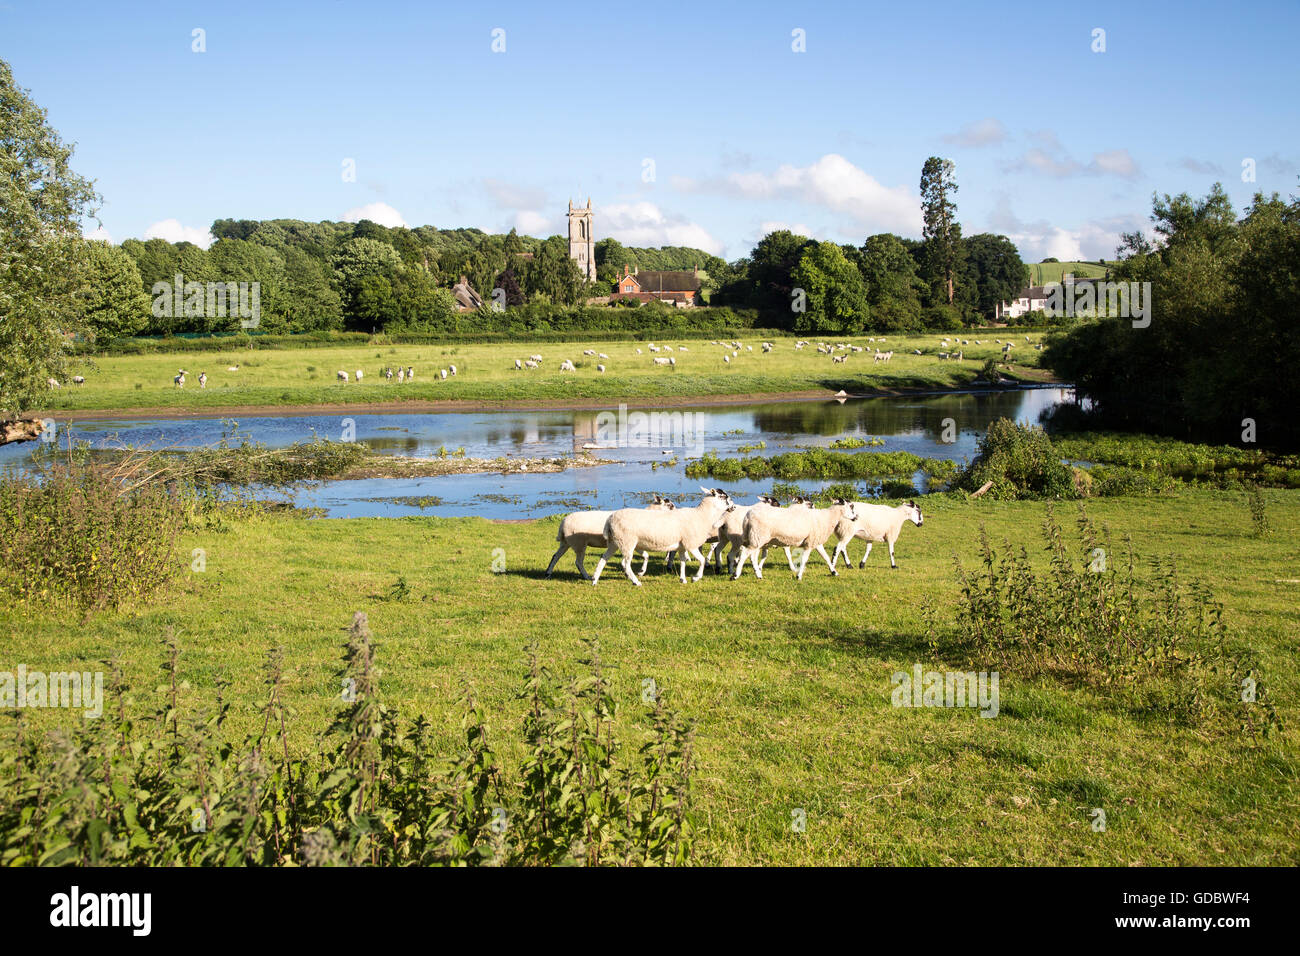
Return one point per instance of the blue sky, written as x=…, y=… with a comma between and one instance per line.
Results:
x=687, y=124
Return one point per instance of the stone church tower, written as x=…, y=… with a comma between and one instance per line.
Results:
x=582, y=244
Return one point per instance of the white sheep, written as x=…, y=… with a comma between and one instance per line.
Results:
x=78, y=380
x=518, y=364
x=588, y=351
x=342, y=376
x=53, y=383
x=602, y=355
x=388, y=372
x=665, y=361
x=530, y=364
x=638, y=351
x=232, y=368
x=401, y=376
x=565, y=366
x=203, y=379
x=178, y=380
x=684, y=530
x=874, y=523
x=360, y=375
x=442, y=374
x=586, y=529
x=806, y=528
x=600, y=369
x=410, y=373
x=732, y=531
x=536, y=358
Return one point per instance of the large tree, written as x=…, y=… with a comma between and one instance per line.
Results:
x=836, y=296
x=996, y=269
x=115, y=304
x=43, y=259
x=941, y=231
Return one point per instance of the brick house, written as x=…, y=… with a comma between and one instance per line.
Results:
x=680, y=289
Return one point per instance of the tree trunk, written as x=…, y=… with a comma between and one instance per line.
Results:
x=21, y=429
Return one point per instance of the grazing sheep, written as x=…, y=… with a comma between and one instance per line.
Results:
x=401, y=376
x=565, y=366
x=665, y=361
x=682, y=348
x=530, y=364
x=839, y=358
x=410, y=373
x=684, y=530
x=232, y=368
x=874, y=523
x=536, y=358
x=442, y=374
x=360, y=375
x=588, y=351
x=668, y=348
x=203, y=379
x=727, y=359
x=53, y=383
x=388, y=372
x=518, y=364
x=638, y=351
x=342, y=376
x=602, y=355
x=808, y=529
x=586, y=529
x=177, y=380
x=653, y=348
x=601, y=369
x=78, y=380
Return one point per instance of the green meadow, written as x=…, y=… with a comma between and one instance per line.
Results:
x=486, y=372
x=789, y=683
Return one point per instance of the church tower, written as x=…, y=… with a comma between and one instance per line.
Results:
x=582, y=244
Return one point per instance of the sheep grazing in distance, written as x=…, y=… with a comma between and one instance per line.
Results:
x=809, y=529
x=586, y=529
x=360, y=375
x=410, y=373
x=565, y=366
x=665, y=361
x=638, y=351
x=178, y=380
x=78, y=380
x=874, y=523
x=588, y=351
x=684, y=530
x=602, y=355
x=600, y=369
x=450, y=368
x=342, y=376
x=54, y=383
x=442, y=374
x=518, y=364
x=388, y=372
x=726, y=358
x=232, y=368
x=401, y=376
x=839, y=358
x=536, y=358
x=203, y=379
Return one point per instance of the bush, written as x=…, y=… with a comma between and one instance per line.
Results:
x=175, y=788
x=1157, y=644
x=1020, y=462
x=87, y=535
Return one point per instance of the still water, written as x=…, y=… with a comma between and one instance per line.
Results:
x=913, y=423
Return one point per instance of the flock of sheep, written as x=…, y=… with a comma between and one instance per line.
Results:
x=748, y=530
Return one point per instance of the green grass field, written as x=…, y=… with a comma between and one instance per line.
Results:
x=1044, y=272
x=789, y=682
x=486, y=373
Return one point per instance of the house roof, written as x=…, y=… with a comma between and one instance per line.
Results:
x=655, y=281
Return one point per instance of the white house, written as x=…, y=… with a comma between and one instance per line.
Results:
x=1033, y=299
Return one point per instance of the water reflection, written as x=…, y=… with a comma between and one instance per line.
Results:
x=913, y=423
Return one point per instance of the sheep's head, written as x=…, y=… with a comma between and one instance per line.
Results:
x=914, y=513
x=850, y=513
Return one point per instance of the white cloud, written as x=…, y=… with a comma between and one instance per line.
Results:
x=643, y=224
x=985, y=132
x=1039, y=240
x=1052, y=159
x=379, y=213
x=172, y=231
x=534, y=223
x=798, y=228
x=832, y=182
x=100, y=234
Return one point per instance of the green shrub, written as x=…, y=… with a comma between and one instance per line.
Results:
x=1020, y=462
x=91, y=536
x=175, y=788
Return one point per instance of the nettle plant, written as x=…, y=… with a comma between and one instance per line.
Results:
x=1152, y=642
x=173, y=788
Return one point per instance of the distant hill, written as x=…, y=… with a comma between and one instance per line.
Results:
x=1044, y=273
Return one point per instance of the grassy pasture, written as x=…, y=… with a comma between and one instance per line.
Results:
x=789, y=682
x=486, y=373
